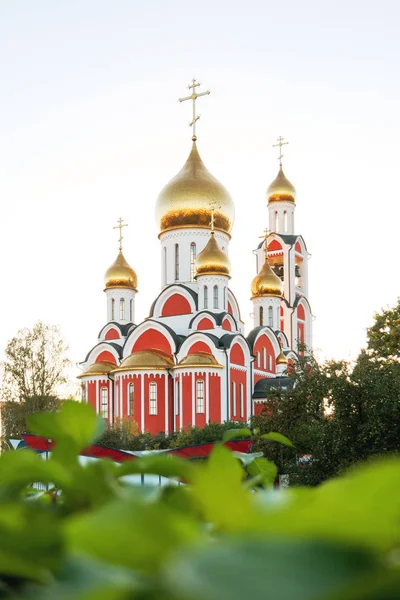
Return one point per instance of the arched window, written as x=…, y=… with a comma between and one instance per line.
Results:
x=224, y=307
x=200, y=396
x=205, y=296
x=264, y=354
x=177, y=397
x=192, y=261
x=261, y=316
x=215, y=296
x=270, y=316
x=131, y=399
x=104, y=402
x=131, y=310
x=241, y=396
x=165, y=266
x=176, y=262
x=122, y=309
x=153, y=398
x=285, y=220
x=83, y=392
x=269, y=362
x=112, y=309
x=276, y=221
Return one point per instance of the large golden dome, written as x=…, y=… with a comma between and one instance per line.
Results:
x=212, y=260
x=186, y=200
x=146, y=359
x=266, y=283
x=281, y=190
x=120, y=274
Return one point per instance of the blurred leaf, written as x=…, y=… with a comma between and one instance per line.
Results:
x=235, y=434
x=263, y=468
x=132, y=534
x=234, y=569
x=277, y=437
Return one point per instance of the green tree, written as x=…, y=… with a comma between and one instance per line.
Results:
x=384, y=334
x=34, y=364
x=14, y=415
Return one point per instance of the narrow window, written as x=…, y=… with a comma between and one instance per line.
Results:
x=192, y=261
x=177, y=397
x=276, y=221
x=104, y=402
x=215, y=296
x=205, y=296
x=264, y=351
x=270, y=316
x=269, y=362
x=112, y=309
x=176, y=262
x=200, y=396
x=241, y=395
x=122, y=309
x=131, y=399
x=153, y=398
x=285, y=220
x=83, y=391
x=165, y=266
x=131, y=310
x=233, y=399
x=224, y=307
x=261, y=316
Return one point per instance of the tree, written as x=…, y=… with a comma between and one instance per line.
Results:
x=35, y=363
x=384, y=335
x=14, y=415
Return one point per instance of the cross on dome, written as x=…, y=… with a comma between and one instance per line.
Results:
x=267, y=233
x=213, y=208
x=194, y=95
x=280, y=144
x=120, y=226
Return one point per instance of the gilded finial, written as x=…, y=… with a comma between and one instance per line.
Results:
x=192, y=86
x=120, y=226
x=280, y=144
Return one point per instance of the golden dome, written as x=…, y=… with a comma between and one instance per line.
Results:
x=120, y=274
x=212, y=260
x=199, y=359
x=185, y=201
x=146, y=359
x=281, y=190
x=99, y=368
x=266, y=283
x=281, y=359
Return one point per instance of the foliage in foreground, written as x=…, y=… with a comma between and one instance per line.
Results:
x=223, y=536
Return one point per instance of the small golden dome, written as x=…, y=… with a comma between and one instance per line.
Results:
x=186, y=200
x=120, y=274
x=266, y=283
x=212, y=260
x=281, y=190
x=99, y=368
x=146, y=359
x=199, y=359
x=281, y=359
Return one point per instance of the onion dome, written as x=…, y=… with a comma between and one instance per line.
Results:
x=186, y=200
x=99, y=368
x=281, y=359
x=146, y=359
x=281, y=190
x=266, y=283
x=120, y=274
x=199, y=359
x=212, y=260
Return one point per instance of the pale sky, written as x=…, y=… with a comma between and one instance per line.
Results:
x=91, y=129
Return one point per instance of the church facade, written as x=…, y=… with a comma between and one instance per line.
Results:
x=191, y=361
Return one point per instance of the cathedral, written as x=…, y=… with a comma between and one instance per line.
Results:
x=191, y=361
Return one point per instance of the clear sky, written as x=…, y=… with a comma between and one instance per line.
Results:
x=90, y=129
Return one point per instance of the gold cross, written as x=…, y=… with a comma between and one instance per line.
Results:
x=280, y=144
x=120, y=226
x=213, y=207
x=194, y=97
x=267, y=233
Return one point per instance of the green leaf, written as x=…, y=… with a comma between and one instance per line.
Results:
x=133, y=534
x=233, y=569
x=235, y=434
x=265, y=469
x=158, y=464
x=277, y=437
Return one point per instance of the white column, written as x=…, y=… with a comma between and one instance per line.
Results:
x=166, y=404
x=180, y=402
x=142, y=401
x=121, y=399
x=193, y=400
x=98, y=397
x=111, y=401
x=207, y=396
